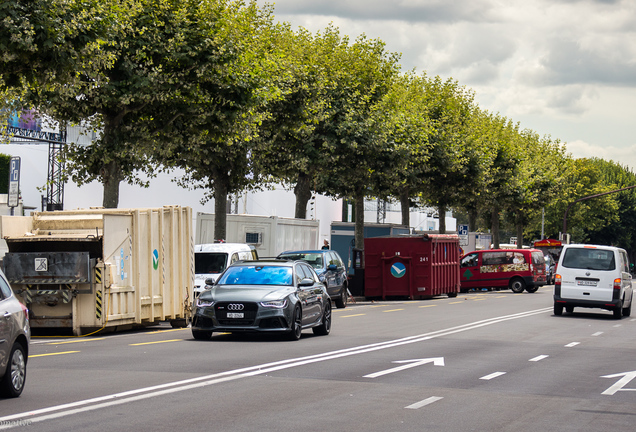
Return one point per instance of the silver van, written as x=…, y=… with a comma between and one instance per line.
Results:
x=593, y=276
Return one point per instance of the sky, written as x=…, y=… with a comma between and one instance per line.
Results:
x=562, y=68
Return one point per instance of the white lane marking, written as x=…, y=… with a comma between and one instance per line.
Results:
x=252, y=371
x=618, y=386
x=572, y=344
x=538, y=358
x=437, y=361
x=492, y=375
x=618, y=325
x=425, y=402
x=597, y=334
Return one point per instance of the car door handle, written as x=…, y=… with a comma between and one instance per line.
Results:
x=7, y=315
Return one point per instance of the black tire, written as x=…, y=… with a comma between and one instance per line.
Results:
x=341, y=301
x=517, y=285
x=15, y=376
x=628, y=310
x=202, y=334
x=451, y=294
x=533, y=289
x=569, y=309
x=618, y=312
x=558, y=309
x=296, y=325
x=325, y=326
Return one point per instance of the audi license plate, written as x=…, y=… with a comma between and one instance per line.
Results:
x=586, y=283
x=235, y=315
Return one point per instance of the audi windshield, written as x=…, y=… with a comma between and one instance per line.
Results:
x=257, y=275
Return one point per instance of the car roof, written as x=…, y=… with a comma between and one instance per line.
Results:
x=272, y=261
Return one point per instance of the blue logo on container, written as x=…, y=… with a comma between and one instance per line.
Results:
x=398, y=270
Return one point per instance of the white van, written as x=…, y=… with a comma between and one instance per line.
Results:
x=211, y=259
x=593, y=276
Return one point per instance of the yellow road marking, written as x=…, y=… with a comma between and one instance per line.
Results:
x=166, y=331
x=456, y=302
x=427, y=306
x=156, y=342
x=375, y=306
x=393, y=310
x=501, y=297
x=52, y=354
x=480, y=299
x=349, y=316
x=74, y=341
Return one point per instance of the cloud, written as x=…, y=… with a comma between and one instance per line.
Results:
x=403, y=10
x=625, y=156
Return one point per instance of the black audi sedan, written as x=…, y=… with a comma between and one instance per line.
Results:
x=263, y=296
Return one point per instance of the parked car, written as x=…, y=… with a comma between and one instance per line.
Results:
x=550, y=269
x=517, y=269
x=263, y=296
x=330, y=270
x=211, y=259
x=593, y=276
x=15, y=334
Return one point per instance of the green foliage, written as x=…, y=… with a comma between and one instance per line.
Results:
x=5, y=162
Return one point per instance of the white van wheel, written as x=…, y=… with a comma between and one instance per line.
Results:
x=628, y=310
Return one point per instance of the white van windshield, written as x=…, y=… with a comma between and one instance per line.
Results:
x=590, y=259
x=209, y=262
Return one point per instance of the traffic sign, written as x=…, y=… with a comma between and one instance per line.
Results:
x=462, y=230
x=14, y=181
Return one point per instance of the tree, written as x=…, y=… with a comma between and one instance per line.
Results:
x=159, y=50
x=291, y=145
x=448, y=168
x=214, y=142
x=354, y=136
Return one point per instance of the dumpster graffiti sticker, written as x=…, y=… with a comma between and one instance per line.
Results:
x=155, y=259
x=398, y=270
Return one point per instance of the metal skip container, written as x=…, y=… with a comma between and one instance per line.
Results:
x=102, y=268
x=413, y=266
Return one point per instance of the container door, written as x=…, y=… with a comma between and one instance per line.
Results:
x=397, y=276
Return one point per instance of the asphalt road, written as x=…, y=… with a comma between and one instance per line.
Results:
x=487, y=361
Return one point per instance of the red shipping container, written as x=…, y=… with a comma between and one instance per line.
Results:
x=413, y=266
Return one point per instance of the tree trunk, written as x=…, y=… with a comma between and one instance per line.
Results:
x=359, y=229
x=472, y=220
x=519, y=234
x=404, y=204
x=111, y=177
x=495, y=227
x=220, y=207
x=302, y=190
x=441, y=211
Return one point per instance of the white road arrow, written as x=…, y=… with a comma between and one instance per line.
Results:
x=437, y=361
x=627, y=377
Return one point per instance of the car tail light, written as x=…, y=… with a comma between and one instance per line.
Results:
x=557, y=280
x=618, y=283
x=25, y=310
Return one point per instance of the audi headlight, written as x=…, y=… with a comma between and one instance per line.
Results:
x=203, y=302
x=279, y=304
